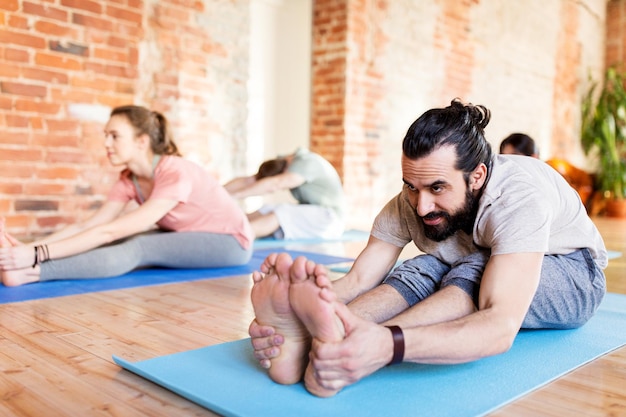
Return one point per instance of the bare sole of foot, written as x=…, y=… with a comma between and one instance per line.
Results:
x=17, y=277
x=314, y=307
x=270, y=299
x=4, y=241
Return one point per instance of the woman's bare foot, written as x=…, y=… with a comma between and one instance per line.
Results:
x=270, y=299
x=314, y=306
x=4, y=240
x=15, y=277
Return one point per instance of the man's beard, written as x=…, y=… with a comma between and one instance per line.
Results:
x=462, y=219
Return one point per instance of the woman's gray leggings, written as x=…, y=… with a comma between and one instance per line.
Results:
x=570, y=289
x=155, y=248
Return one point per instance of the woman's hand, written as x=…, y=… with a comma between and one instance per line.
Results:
x=18, y=256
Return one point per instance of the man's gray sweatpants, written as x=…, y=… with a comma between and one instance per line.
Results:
x=570, y=289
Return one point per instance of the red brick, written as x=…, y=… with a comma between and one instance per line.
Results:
x=5, y=207
x=74, y=156
x=92, y=22
x=95, y=37
x=124, y=14
x=33, y=106
x=117, y=41
x=48, y=76
x=46, y=11
x=125, y=87
x=133, y=56
x=120, y=71
x=55, y=140
x=18, y=22
x=88, y=5
x=117, y=100
x=44, y=189
x=163, y=78
x=15, y=138
x=5, y=104
x=55, y=222
x=58, y=173
x=167, y=94
x=169, y=38
x=11, y=187
x=63, y=62
x=36, y=123
x=196, y=5
x=55, y=125
x=15, y=221
x=8, y=70
x=17, y=38
x=20, y=155
x=50, y=28
x=176, y=14
x=95, y=67
x=110, y=54
x=96, y=83
x=23, y=89
x=10, y=5
x=16, y=121
x=130, y=30
x=17, y=55
x=72, y=95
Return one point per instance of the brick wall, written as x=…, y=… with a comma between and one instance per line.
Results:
x=528, y=62
x=377, y=65
x=616, y=33
x=65, y=63
x=329, y=68
x=565, y=90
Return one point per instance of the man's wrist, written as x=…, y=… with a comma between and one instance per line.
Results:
x=398, y=345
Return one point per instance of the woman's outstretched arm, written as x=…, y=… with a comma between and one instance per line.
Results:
x=82, y=238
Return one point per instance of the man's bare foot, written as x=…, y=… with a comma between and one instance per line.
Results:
x=270, y=299
x=314, y=306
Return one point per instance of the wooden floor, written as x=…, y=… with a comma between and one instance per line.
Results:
x=55, y=354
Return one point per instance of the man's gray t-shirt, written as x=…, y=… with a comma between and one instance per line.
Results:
x=322, y=185
x=526, y=206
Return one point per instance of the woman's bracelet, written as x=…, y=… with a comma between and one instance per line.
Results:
x=41, y=254
x=398, y=345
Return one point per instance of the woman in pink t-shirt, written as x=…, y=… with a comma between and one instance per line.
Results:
x=184, y=217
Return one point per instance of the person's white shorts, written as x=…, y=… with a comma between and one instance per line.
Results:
x=305, y=221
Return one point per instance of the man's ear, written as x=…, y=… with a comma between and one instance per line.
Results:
x=478, y=177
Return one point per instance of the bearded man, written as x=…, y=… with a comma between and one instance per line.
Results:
x=507, y=244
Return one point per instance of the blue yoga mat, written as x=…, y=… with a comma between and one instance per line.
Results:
x=213, y=376
x=151, y=276
x=613, y=254
x=348, y=236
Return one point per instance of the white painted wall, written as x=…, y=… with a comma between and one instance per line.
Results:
x=280, y=78
x=279, y=87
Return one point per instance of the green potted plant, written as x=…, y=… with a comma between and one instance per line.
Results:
x=603, y=134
